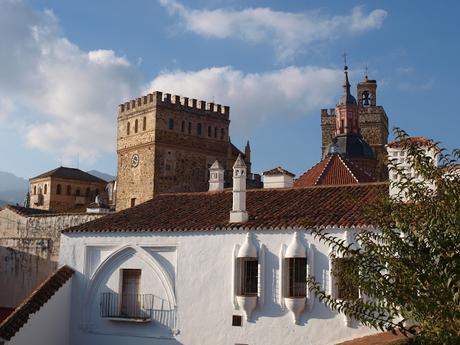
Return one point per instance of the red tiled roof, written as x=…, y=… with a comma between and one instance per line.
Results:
x=71, y=174
x=378, y=339
x=334, y=170
x=278, y=171
x=11, y=325
x=331, y=206
x=5, y=312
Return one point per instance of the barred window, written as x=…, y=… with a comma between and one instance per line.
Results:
x=296, y=277
x=248, y=274
x=345, y=288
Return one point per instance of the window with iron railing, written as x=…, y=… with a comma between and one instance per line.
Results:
x=296, y=277
x=248, y=272
x=126, y=306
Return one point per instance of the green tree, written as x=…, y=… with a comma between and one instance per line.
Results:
x=407, y=264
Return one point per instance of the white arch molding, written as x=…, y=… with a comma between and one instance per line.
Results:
x=112, y=262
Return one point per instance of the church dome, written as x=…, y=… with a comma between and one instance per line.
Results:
x=351, y=145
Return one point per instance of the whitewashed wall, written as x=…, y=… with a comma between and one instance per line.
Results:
x=49, y=325
x=193, y=270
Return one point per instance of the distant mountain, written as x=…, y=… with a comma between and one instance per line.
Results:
x=13, y=189
x=104, y=176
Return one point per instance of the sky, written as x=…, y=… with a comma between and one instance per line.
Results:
x=66, y=65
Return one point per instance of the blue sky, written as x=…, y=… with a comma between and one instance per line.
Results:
x=65, y=66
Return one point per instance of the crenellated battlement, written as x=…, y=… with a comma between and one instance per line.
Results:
x=166, y=99
x=327, y=112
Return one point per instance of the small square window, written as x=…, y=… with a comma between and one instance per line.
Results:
x=236, y=320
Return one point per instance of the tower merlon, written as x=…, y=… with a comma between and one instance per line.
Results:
x=327, y=112
x=166, y=99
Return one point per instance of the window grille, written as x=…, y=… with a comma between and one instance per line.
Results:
x=248, y=274
x=345, y=288
x=296, y=277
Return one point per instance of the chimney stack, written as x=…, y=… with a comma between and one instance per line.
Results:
x=216, y=177
x=238, y=213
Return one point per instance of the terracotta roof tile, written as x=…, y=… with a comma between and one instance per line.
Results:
x=278, y=171
x=334, y=170
x=329, y=206
x=377, y=339
x=11, y=325
x=5, y=312
x=71, y=174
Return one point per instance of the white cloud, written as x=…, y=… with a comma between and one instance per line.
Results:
x=288, y=32
x=256, y=97
x=65, y=98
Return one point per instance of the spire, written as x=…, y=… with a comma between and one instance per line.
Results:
x=347, y=98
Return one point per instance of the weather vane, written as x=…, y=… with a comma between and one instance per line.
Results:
x=345, y=58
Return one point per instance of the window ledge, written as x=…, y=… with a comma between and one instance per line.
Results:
x=129, y=319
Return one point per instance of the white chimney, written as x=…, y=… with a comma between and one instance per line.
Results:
x=238, y=213
x=216, y=177
x=278, y=178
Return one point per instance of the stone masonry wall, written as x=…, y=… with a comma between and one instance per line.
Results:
x=29, y=250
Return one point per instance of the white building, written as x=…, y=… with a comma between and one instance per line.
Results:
x=190, y=268
x=399, y=156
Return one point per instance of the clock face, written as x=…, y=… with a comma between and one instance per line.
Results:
x=135, y=160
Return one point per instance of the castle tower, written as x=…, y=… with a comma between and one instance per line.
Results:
x=167, y=144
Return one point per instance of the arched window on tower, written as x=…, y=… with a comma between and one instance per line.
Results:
x=144, y=124
x=127, y=128
x=222, y=133
x=135, y=126
x=342, y=126
x=209, y=131
x=198, y=129
x=182, y=127
x=69, y=190
x=45, y=189
x=58, y=189
x=87, y=191
x=77, y=192
x=35, y=190
x=189, y=128
x=171, y=123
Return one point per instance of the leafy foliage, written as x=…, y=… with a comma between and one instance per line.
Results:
x=407, y=265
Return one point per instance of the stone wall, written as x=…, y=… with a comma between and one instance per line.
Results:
x=29, y=250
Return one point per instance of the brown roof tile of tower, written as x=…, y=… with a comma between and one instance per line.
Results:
x=334, y=170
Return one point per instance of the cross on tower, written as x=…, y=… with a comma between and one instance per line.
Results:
x=345, y=58
x=367, y=70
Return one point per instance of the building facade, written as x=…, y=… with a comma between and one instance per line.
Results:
x=65, y=190
x=167, y=144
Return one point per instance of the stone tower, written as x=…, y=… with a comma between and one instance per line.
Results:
x=373, y=120
x=167, y=144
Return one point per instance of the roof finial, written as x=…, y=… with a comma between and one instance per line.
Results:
x=345, y=60
x=367, y=71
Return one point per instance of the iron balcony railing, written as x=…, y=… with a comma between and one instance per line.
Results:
x=126, y=306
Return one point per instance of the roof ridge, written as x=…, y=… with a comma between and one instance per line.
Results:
x=348, y=168
x=328, y=163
